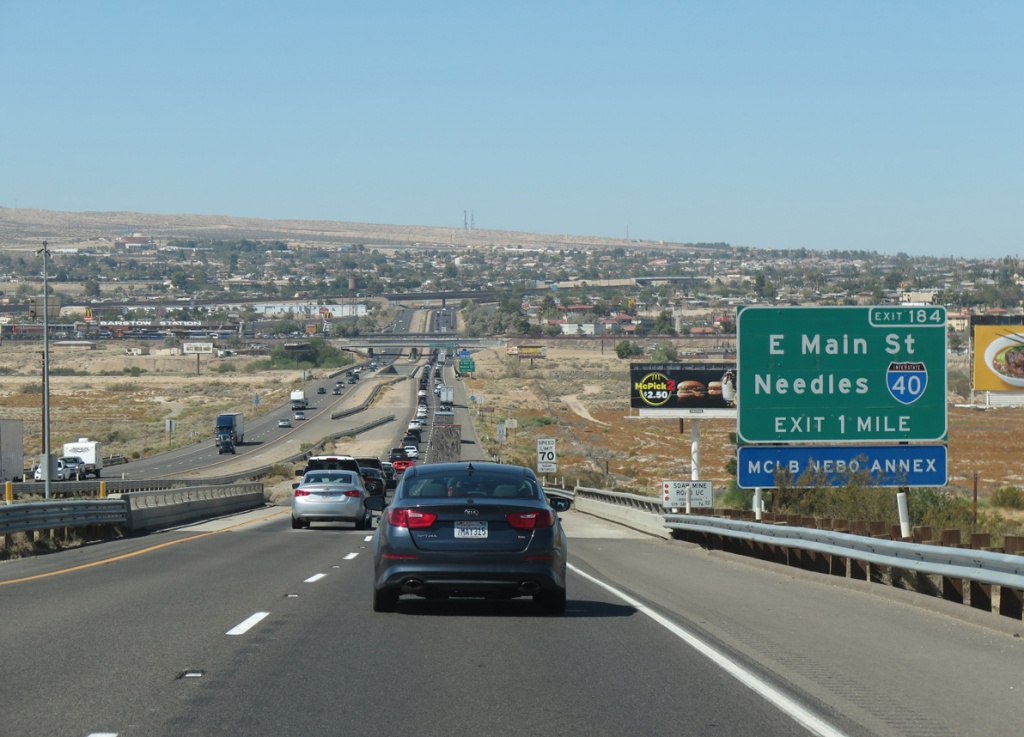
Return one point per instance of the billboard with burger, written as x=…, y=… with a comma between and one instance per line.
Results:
x=682, y=386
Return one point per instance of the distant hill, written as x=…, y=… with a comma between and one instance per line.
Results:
x=22, y=229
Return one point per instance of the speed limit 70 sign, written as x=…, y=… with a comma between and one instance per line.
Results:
x=547, y=457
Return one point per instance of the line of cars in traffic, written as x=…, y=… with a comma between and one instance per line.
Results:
x=409, y=449
x=462, y=529
x=332, y=489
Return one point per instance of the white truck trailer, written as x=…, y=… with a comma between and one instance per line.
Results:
x=91, y=453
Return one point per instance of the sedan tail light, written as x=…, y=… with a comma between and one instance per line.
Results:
x=531, y=520
x=414, y=519
x=301, y=492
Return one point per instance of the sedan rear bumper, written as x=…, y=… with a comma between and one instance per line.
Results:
x=509, y=580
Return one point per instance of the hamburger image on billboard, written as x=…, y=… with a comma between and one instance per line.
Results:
x=682, y=386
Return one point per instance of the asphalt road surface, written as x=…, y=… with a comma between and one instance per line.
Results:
x=244, y=626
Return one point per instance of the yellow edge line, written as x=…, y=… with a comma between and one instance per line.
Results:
x=137, y=552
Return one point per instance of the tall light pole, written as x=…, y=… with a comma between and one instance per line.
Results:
x=44, y=464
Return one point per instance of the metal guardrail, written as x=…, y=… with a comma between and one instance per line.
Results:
x=982, y=566
x=33, y=516
x=554, y=491
x=966, y=575
x=133, y=511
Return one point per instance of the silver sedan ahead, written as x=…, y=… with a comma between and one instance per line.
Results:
x=330, y=496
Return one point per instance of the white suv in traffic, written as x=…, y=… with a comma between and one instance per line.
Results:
x=59, y=475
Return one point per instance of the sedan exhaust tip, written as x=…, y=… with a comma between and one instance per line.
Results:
x=529, y=587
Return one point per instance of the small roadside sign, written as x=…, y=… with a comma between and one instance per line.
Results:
x=547, y=456
x=673, y=494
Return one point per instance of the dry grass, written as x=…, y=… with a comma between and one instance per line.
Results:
x=127, y=412
x=578, y=396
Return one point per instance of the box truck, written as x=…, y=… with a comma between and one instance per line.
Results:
x=12, y=450
x=299, y=400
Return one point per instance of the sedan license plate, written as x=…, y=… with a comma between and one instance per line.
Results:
x=471, y=529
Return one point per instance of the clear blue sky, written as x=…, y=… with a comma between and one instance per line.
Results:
x=880, y=125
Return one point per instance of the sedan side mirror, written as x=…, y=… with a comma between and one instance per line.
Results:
x=375, y=503
x=560, y=504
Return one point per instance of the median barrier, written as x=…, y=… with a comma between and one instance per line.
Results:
x=156, y=510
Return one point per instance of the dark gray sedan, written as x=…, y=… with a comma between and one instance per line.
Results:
x=469, y=529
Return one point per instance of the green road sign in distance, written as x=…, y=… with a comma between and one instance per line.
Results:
x=467, y=365
x=841, y=374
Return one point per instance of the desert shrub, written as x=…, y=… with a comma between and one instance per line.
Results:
x=7, y=371
x=812, y=496
x=226, y=368
x=31, y=389
x=537, y=422
x=66, y=371
x=125, y=388
x=959, y=383
x=134, y=371
x=737, y=498
x=1008, y=497
x=628, y=349
x=280, y=471
x=263, y=364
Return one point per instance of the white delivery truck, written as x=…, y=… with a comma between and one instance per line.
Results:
x=12, y=450
x=299, y=401
x=91, y=453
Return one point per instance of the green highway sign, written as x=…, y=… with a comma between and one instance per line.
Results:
x=467, y=365
x=841, y=374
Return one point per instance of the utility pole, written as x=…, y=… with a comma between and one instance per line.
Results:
x=44, y=464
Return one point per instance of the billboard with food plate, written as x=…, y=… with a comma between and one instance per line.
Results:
x=998, y=358
x=680, y=389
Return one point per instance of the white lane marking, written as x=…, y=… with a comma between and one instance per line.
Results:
x=242, y=627
x=350, y=556
x=770, y=693
x=368, y=538
x=103, y=734
x=315, y=577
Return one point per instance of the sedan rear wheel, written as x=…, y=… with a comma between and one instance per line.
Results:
x=552, y=602
x=296, y=524
x=384, y=600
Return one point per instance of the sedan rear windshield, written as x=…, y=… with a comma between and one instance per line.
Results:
x=328, y=477
x=494, y=486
